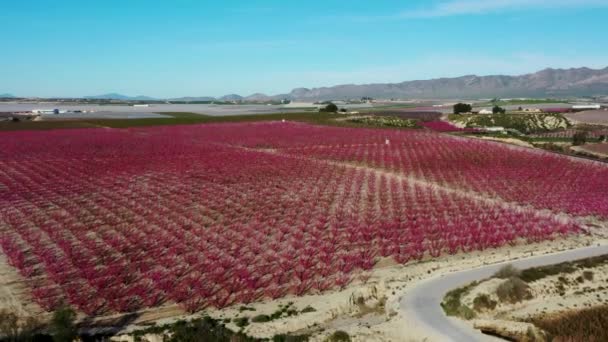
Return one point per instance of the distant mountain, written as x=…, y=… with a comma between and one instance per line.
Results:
x=231, y=97
x=259, y=97
x=193, y=99
x=7, y=96
x=545, y=83
x=114, y=96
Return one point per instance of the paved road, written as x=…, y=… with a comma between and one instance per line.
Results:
x=423, y=301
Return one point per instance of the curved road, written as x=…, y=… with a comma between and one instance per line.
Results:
x=423, y=301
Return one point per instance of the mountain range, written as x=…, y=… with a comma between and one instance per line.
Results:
x=6, y=96
x=115, y=96
x=545, y=83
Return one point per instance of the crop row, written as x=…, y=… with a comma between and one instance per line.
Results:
x=119, y=220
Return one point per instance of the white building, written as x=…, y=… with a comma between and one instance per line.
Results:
x=45, y=111
x=494, y=129
x=485, y=111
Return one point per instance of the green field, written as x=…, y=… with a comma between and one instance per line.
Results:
x=179, y=118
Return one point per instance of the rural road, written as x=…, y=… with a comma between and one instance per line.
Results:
x=422, y=303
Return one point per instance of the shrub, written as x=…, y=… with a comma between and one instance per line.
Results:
x=513, y=290
x=588, y=275
x=507, y=271
x=62, y=324
x=452, y=305
x=261, y=319
x=462, y=108
x=498, y=110
x=15, y=328
x=339, y=336
x=483, y=302
x=241, y=321
x=308, y=309
x=579, y=138
x=330, y=108
x=290, y=338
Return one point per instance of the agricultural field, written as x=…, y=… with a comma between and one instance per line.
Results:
x=592, y=117
x=599, y=150
x=410, y=114
x=208, y=216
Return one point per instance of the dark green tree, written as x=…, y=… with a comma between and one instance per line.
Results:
x=330, y=108
x=498, y=110
x=62, y=324
x=460, y=108
x=579, y=138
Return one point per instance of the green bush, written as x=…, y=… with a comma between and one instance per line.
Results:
x=513, y=290
x=579, y=138
x=498, y=110
x=483, y=302
x=462, y=108
x=261, y=319
x=308, y=309
x=339, y=336
x=241, y=322
x=507, y=271
x=62, y=324
x=330, y=108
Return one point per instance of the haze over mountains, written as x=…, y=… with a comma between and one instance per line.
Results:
x=545, y=83
x=115, y=96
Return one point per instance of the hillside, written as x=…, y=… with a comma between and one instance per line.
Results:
x=546, y=83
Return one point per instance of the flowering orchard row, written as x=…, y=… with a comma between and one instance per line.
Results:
x=119, y=220
x=569, y=133
x=514, y=174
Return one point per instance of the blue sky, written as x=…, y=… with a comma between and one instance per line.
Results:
x=169, y=48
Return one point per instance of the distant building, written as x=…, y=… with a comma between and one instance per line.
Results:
x=485, y=111
x=45, y=111
x=494, y=129
x=301, y=105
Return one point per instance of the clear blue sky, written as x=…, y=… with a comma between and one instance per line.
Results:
x=168, y=48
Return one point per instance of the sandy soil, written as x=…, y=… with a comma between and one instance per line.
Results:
x=599, y=150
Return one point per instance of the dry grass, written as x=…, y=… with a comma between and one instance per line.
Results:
x=583, y=325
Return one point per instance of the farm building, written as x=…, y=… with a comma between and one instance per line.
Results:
x=494, y=129
x=45, y=111
x=485, y=111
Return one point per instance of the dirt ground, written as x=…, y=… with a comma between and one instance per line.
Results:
x=596, y=117
x=599, y=150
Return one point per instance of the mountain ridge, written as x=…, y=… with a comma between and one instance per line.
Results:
x=548, y=82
